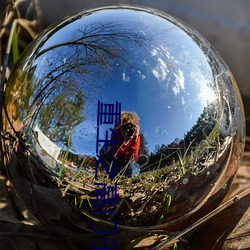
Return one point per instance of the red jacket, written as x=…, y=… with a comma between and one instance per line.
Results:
x=128, y=150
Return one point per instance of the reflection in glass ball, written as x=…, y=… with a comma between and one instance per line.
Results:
x=131, y=99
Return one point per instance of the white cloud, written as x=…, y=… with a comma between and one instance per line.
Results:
x=154, y=52
x=142, y=76
x=179, y=82
x=125, y=78
x=145, y=62
x=161, y=70
x=206, y=93
x=183, y=100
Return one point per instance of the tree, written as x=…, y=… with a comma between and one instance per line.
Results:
x=58, y=117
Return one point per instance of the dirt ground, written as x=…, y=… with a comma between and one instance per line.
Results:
x=228, y=229
x=19, y=230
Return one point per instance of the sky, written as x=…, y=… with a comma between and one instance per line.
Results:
x=158, y=71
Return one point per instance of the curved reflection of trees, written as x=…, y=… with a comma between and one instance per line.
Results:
x=57, y=117
x=199, y=144
x=143, y=146
x=203, y=127
x=92, y=52
x=66, y=74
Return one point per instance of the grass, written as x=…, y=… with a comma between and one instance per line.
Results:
x=139, y=197
x=11, y=42
x=136, y=196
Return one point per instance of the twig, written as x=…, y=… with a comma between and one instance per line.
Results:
x=5, y=64
x=177, y=237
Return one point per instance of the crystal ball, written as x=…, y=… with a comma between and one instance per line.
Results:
x=121, y=118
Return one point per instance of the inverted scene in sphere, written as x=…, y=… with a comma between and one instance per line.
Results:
x=127, y=97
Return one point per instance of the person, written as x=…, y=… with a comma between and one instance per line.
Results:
x=125, y=152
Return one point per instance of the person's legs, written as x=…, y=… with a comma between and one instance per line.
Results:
x=133, y=169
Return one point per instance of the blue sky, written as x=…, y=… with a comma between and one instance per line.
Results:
x=165, y=78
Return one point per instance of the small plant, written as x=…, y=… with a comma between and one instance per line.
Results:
x=16, y=32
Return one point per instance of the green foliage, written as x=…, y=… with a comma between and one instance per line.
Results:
x=200, y=141
x=62, y=114
x=14, y=45
x=168, y=203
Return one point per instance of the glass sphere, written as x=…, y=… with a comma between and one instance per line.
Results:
x=121, y=116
